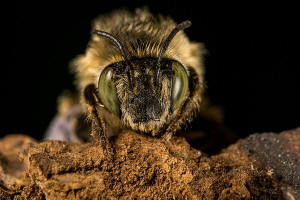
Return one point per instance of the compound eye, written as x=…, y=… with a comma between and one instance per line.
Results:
x=180, y=85
x=107, y=91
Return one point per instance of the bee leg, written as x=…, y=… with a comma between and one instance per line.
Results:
x=170, y=131
x=98, y=123
x=174, y=125
x=167, y=136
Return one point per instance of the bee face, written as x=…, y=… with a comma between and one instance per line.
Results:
x=143, y=95
x=148, y=75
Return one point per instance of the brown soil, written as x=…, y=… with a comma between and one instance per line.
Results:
x=150, y=168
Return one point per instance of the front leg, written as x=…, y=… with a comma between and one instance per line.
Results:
x=99, y=131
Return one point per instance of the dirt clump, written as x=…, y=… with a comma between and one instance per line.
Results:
x=144, y=167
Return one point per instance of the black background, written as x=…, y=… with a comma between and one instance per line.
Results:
x=252, y=69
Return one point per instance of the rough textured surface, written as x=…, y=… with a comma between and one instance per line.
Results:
x=264, y=166
x=281, y=154
x=12, y=170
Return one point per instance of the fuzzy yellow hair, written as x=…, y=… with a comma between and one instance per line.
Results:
x=142, y=34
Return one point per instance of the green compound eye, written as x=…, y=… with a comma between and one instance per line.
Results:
x=180, y=85
x=107, y=91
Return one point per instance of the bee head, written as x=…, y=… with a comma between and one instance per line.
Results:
x=145, y=93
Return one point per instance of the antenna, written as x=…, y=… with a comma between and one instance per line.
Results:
x=114, y=40
x=179, y=27
x=121, y=49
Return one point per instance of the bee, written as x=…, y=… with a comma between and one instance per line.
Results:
x=139, y=72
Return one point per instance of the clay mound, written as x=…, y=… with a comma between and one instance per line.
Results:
x=150, y=168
